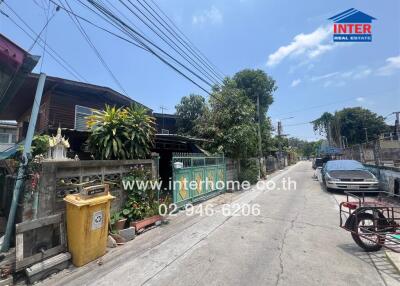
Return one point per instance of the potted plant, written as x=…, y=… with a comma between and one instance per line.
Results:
x=150, y=216
x=141, y=207
x=117, y=221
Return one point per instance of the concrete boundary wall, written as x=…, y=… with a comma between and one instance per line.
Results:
x=389, y=177
x=58, y=179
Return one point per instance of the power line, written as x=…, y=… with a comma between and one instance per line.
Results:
x=41, y=31
x=186, y=56
x=98, y=54
x=188, y=40
x=139, y=39
x=327, y=104
x=169, y=44
x=298, y=124
x=97, y=26
x=176, y=35
x=53, y=54
x=145, y=42
x=45, y=37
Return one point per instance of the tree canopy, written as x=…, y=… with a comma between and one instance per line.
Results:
x=229, y=122
x=189, y=110
x=229, y=118
x=351, y=123
x=256, y=83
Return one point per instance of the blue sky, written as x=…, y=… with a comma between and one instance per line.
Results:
x=290, y=40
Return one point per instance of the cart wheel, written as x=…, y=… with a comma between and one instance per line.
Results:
x=364, y=224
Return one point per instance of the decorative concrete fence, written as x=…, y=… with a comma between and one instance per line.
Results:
x=58, y=179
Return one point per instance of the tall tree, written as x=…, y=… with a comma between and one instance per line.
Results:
x=256, y=83
x=189, y=110
x=351, y=123
x=229, y=122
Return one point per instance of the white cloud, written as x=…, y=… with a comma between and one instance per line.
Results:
x=340, y=78
x=392, y=64
x=295, y=82
x=212, y=15
x=309, y=45
x=325, y=76
x=364, y=101
x=361, y=74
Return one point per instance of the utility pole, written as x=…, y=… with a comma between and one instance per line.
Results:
x=397, y=124
x=366, y=134
x=259, y=135
x=329, y=134
x=280, y=135
x=280, y=142
x=22, y=167
x=162, y=115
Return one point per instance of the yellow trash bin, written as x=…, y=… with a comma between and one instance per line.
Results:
x=87, y=226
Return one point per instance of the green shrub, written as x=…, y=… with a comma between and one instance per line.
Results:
x=121, y=133
x=249, y=170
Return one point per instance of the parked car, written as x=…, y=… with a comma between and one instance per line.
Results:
x=348, y=175
x=319, y=162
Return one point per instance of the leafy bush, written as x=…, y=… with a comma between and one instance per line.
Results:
x=40, y=145
x=121, y=133
x=115, y=217
x=141, y=203
x=249, y=170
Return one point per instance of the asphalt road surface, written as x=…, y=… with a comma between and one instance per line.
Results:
x=294, y=240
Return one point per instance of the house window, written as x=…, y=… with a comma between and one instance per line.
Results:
x=7, y=136
x=81, y=114
x=4, y=138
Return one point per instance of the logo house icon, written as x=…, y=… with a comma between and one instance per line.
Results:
x=352, y=26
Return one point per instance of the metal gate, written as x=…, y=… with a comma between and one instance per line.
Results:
x=196, y=177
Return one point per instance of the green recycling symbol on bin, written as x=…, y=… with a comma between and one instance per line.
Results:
x=97, y=220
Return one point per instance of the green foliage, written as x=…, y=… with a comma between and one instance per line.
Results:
x=141, y=202
x=116, y=216
x=229, y=122
x=321, y=124
x=351, y=122
x=121, y=133
x=305, y=148
x=229, y=119
x=256, y=83
x=249, y=170
x=189, y=110
x=40, y=145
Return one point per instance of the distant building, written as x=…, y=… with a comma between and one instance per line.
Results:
x=8, y=134
x=166, y=123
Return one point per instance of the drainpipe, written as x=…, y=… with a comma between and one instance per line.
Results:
x=22, y=167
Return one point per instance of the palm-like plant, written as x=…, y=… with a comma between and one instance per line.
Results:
x=121, y=133
x=140, y=131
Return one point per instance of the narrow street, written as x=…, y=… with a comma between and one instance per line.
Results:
x=294, y=241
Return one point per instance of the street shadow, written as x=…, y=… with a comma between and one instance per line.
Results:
x=376, y=259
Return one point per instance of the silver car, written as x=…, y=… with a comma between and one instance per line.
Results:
x=348, y=175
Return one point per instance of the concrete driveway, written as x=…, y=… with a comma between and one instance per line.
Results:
x=294, y=240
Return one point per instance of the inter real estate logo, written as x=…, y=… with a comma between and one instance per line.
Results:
x=352, y=26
